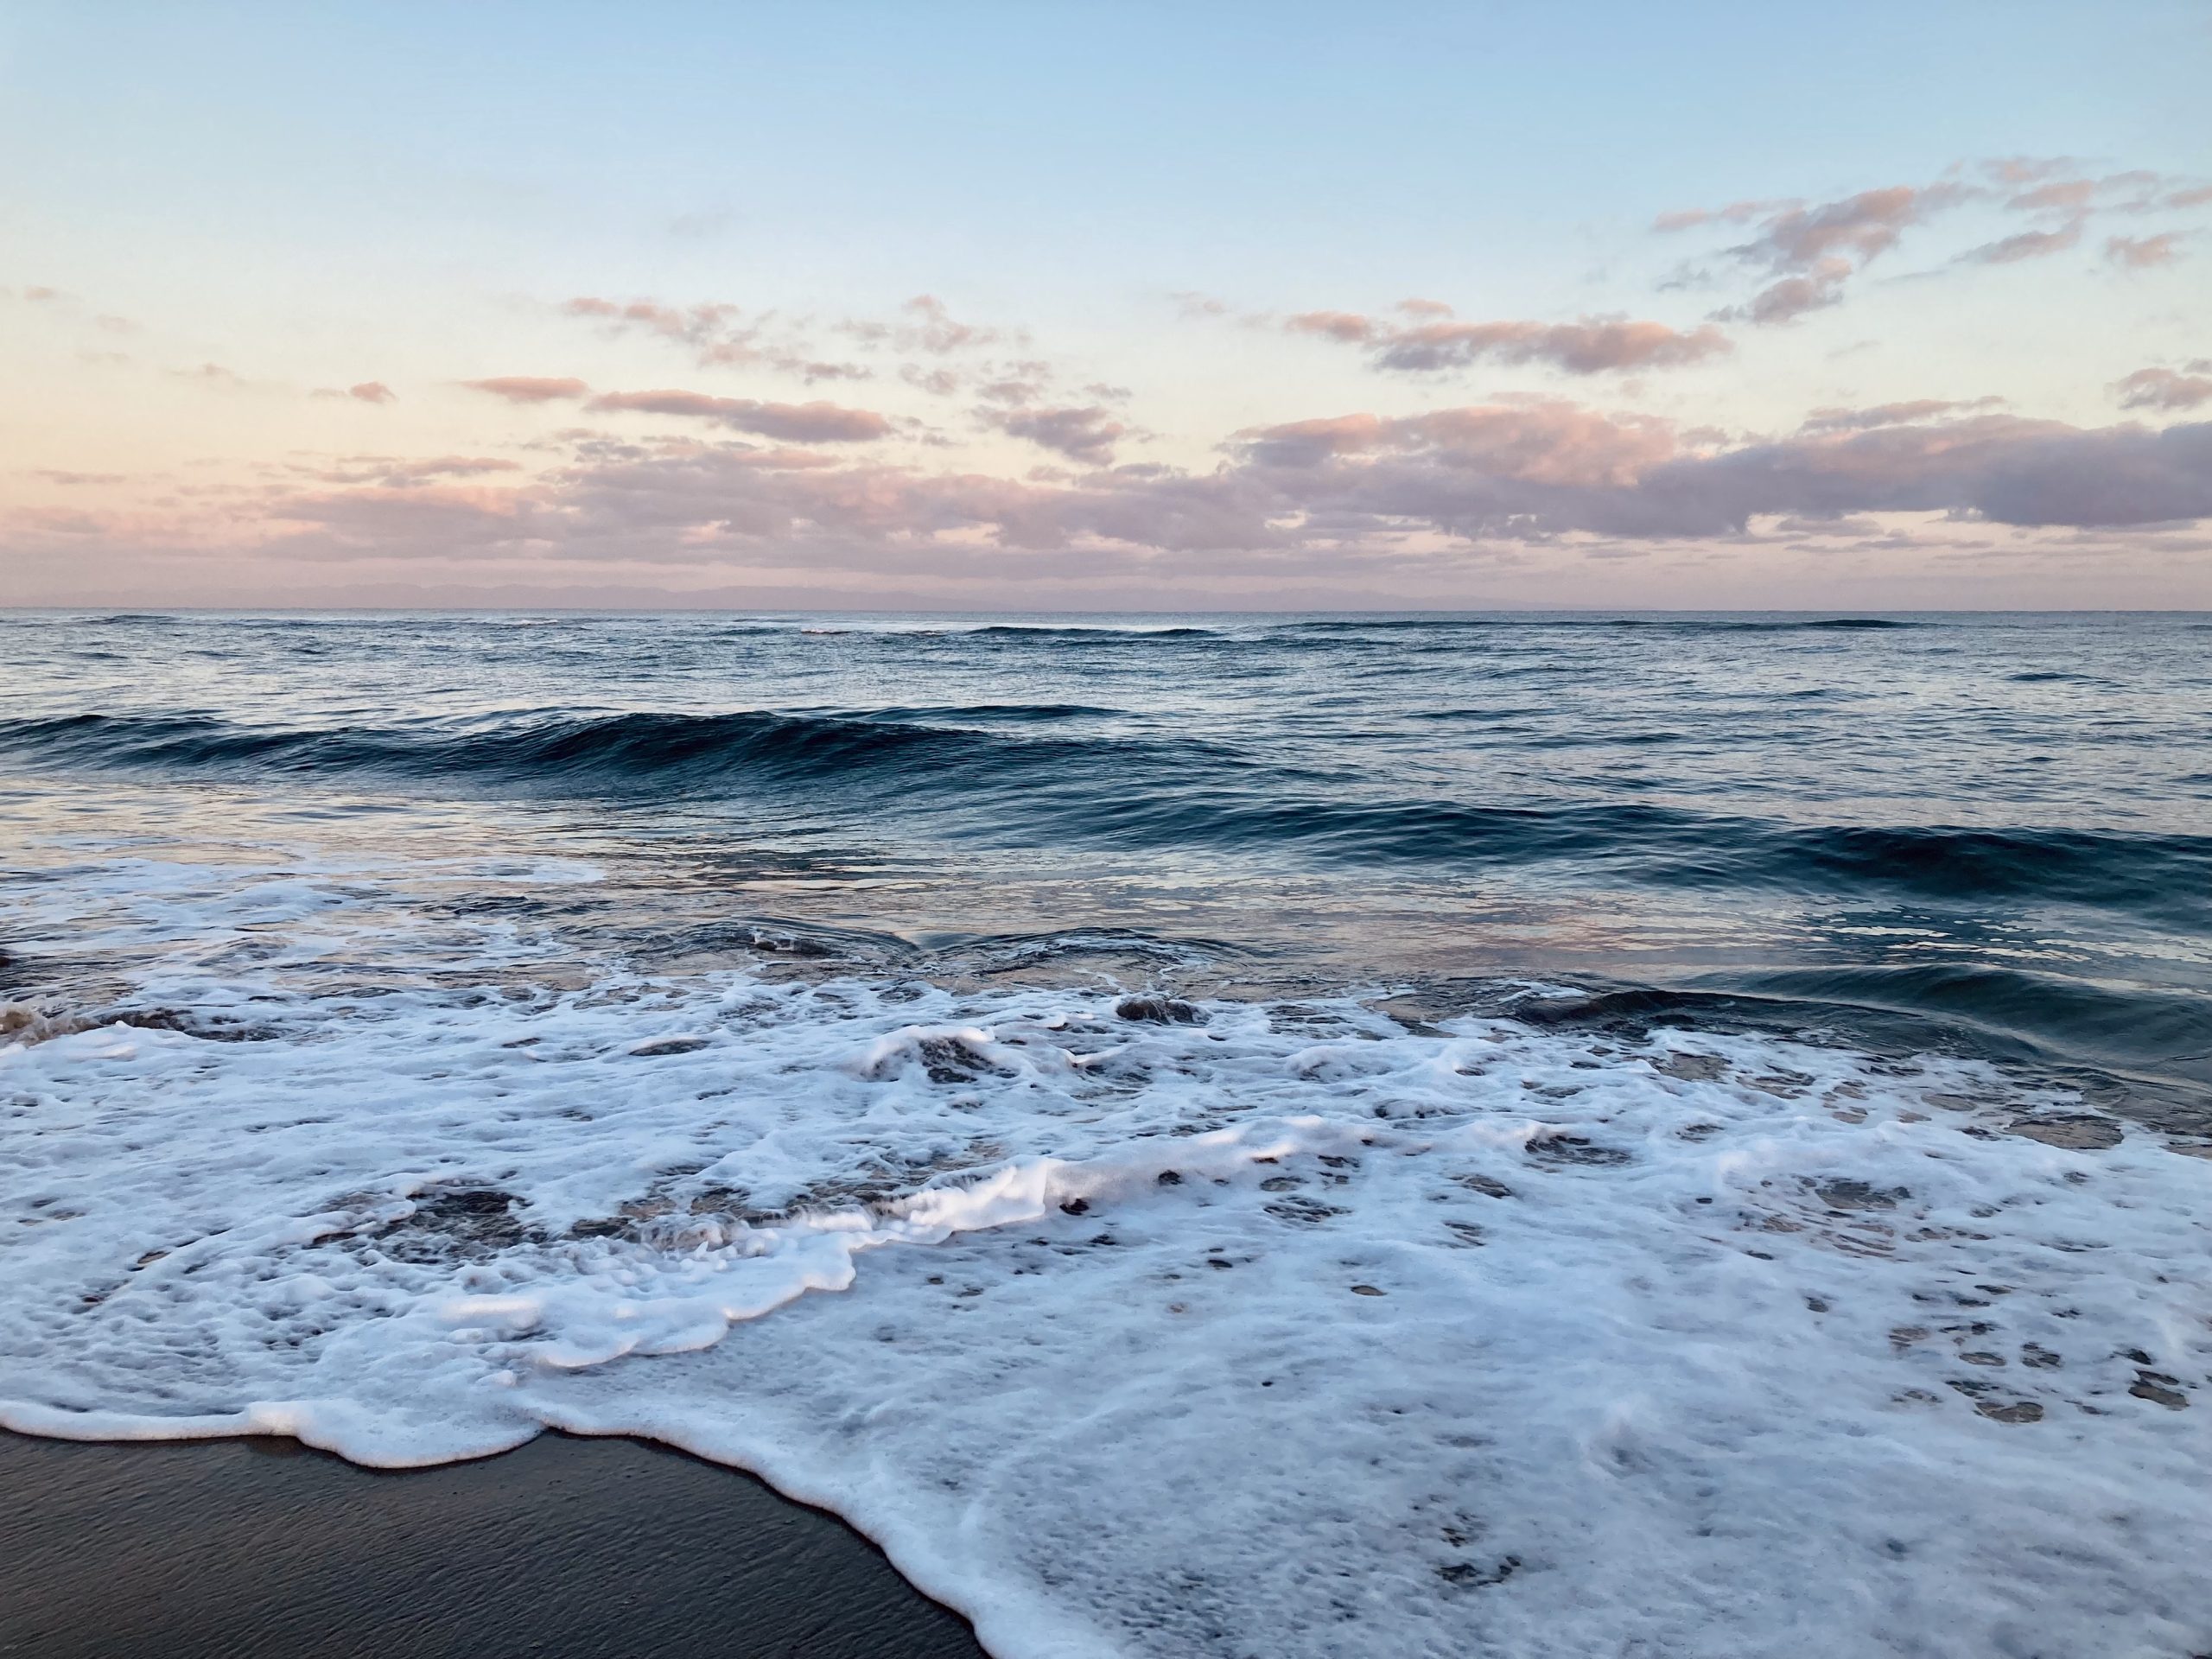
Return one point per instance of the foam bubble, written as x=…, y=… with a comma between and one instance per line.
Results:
x=1289, y=1329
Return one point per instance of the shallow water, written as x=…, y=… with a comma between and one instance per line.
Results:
x=1330, y=1135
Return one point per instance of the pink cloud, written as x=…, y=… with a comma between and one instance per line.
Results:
x=391, y=515
x=2140, y=252
x=1591, y=346
x=1518, y=471
x=1548, y=442
x=1349, y=326
x=1793, y=296
x=402, y=474
x=709, y=330
x=2164, y=389
x=2136, y=191
x=1341, y=488
x=1087, y=435
x=214, y=374
x=2061, y=195
x=530, y=388
x=1736, y=212
x=1858, y=228
x=814, y=372
x=372, y=392
x=720, y=335
x=931, y=327
x=1344, y=495
x=938, y=382
x=1190, y=304
x=2018, y=170
x=1020, y=382
x=691, y=325
x=2027, y=244
x=1922, y=409
x=1811, y=251
x=814, y=422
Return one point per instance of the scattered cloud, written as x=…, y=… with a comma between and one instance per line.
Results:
x=1190, y=304
x=1808, y=252
x=788, y=484
x=2025, y=244
x=1551, y=469
x=2141, y=252
x=939, y=382
x=931, y=348
x=1086, y=435
x=1793, y=296
x=1427, y=339
x=1736, y=212
x=720, y=335
x=1923, y=409
x=530, y=388
x=1551, y=443
x=389, y=474
x=1810, y=249
x=2165, y=389
x=1341, y=492
x=930, y=327
x=1021, y=382
x=814, y=422
x=212, y=374
x=699, y=324
x=1856, y=228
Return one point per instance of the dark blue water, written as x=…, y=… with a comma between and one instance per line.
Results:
x=1987, y=832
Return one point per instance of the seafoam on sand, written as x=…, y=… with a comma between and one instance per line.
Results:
x=1238, y=1328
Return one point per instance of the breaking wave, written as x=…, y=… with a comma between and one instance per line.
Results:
x=1026, y=773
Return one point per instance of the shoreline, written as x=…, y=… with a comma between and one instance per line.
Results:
x=567, y=1545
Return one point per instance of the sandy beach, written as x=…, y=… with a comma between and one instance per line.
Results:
x=571, y=1546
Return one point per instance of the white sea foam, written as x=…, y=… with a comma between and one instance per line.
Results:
x=1293, y=1332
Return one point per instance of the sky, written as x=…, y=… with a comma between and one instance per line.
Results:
x=1118, y=306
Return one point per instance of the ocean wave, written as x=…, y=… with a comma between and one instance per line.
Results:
x=2166, y=1031
x=601, y=751
x=1014, y=713
x=1715, y=624
x=1139, y=1327
x=1097, y=631
x=1001, y=773
x=2167, y=876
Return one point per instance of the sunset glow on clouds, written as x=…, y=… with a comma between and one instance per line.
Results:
x=1030, y=311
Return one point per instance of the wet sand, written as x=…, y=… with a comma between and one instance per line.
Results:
x=569, y=1546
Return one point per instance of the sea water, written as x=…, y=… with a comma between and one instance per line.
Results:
x=1243, y=1136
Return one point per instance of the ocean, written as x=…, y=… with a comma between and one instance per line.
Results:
x=1272, y=1135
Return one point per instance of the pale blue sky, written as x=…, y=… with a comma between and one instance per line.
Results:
x=1040, y=152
